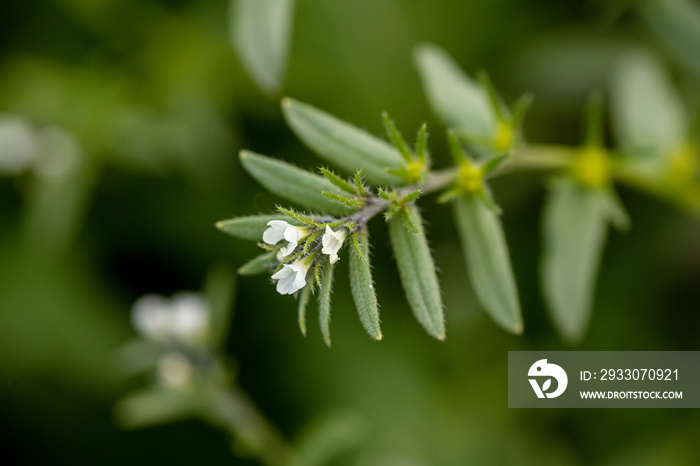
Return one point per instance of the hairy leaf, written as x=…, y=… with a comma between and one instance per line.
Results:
x=486, y=253
x=250, y=227
x=342, y=144
x=417, y=270
x=292, y=183
x=261, y=264
x=574, y=234
x=304, y=298
x=324, y=303
x=260, y=32
x=455, y=97
x=362, y=286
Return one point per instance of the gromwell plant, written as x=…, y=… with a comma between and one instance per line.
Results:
x=485, y=140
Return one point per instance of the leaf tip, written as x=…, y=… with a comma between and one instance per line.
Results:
x=441, y=337
x=244, y=154
x=518, y=329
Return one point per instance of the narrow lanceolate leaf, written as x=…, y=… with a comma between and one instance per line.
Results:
x=292, y=183
x=574, y=234
x=486, y=253
x=341, y=143
x=324, y=303
x=647, y=111
x=250, y=227
x=456, y=98
x=362, y=287
x=338, y=181
x=261, y=264
x=304, y=298
x=677, y=25
x=417, y=270
x=260, y=31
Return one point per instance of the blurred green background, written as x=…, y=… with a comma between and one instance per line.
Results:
x=159, y=104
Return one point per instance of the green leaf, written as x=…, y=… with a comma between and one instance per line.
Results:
x=350, y=203
x=360, y=184
x=261, y=264
x=422, y=143
x=260, y=32
x=615, y=209
x=486, y=254
x=574, y=234
x=338, y=181
x=292, y=183
x=362, y=286
x=304, y=297
x=456, y=149
x=342, y=144
x=250, y=227
x=455, y=97
x=520, y=109
x=220, y=290
x=152, y=406
x=677, y=25
x=497, y=104
x=395, y=135
x=417, y=270
x=647, y=111
x=493, y=163
x=299, y=217
x=412, y=196
x=324, y=303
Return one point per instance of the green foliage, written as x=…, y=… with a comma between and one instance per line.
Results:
x=261, y=264
x=304, y=298
x=647, y=110
x=417, y=270
x=292, y=183
x=574, y=232
x=456, y=98
x=486, y=254
x=362, y=286
x=249, y=228
x=677, y=25
x=260, y=32
x=324, y=303
x=342, y=144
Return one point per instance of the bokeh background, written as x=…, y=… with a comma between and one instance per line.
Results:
x=158, y=104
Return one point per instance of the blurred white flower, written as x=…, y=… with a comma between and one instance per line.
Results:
x=279, y=230
x=183, y=318
x=174, y=370
x=291, y=278
x=332, y=241
x=18, y=144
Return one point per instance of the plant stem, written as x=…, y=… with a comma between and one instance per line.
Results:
x=236, y=413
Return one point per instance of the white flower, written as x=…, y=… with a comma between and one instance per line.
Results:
x=279, y=230
x=332, y=242
x=275, y=233
x=183, y=318
x=291, y=278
